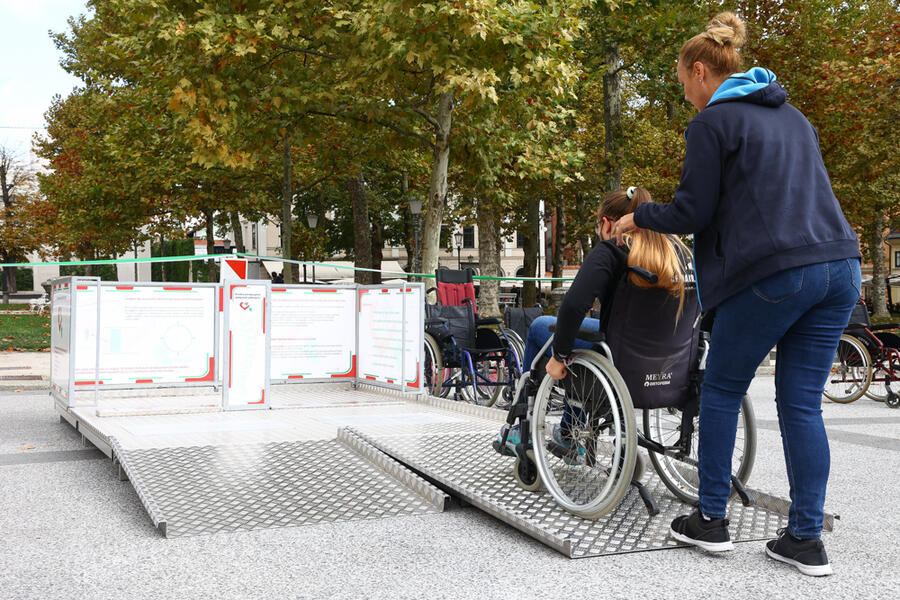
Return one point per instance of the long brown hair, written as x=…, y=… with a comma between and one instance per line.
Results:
x=661, y=254
x=717, y=47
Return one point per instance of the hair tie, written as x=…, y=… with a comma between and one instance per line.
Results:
x=630, y=192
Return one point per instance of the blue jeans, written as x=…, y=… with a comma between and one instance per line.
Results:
x=803, y=310
x=539, y=333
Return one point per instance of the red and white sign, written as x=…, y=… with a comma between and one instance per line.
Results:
x=247, y=342
x=233, y=268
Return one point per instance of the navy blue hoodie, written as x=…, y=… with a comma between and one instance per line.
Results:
x=753, y=190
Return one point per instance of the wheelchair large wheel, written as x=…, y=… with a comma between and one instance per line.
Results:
x=679, y=472
x=851, y=371
x=434, y=366
x=587, y=466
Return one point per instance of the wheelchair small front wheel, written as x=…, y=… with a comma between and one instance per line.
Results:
x=526, y=473
x=585, y=437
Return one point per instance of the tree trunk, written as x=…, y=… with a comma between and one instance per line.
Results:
x=559, y=244
x=410, y=222
x=437, y=192
x=875, y=238
x=9, y=274
x=532, y=230
x=210, y=246
x=585, y=238
x=238, y=231
x=362, y=240
x=612, y=116
x=488, y=259
x=377, y=248
x=287, y=217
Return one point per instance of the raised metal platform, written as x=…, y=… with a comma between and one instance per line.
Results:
x=338, y=453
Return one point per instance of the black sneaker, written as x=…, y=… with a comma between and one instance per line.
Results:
x=807, y=555
x=711, y=535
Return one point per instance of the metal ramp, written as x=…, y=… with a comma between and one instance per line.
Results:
x=460, y=458
x=342, y=453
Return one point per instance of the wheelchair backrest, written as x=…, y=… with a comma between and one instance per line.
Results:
x=653, y=349
x=860, y=315
x=520, y=319
x=455, y=321
x=455, y=287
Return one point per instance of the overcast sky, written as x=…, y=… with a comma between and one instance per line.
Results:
x=30, y=74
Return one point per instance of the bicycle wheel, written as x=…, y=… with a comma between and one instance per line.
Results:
x=434, y=366
x=851, y=371
x=679, y=471
x=587, y=466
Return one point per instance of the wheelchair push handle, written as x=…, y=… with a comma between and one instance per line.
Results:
x=644, y=274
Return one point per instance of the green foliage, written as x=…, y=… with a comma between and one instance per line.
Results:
x=178, y=271
x=104, y=272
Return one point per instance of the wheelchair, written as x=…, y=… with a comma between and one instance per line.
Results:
x=579, y=437
x=867, y=361
x=469, y=358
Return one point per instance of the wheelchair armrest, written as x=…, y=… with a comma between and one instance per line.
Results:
x=885, y=327
x=432, y=321
x=488, y=321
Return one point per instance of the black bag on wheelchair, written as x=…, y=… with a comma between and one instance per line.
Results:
x=520, y=319
x=654, y=353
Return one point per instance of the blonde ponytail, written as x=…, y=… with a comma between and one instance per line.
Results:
x=661, y=254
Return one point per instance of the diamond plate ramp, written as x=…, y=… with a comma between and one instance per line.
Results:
x=464, y=462
x=209, y=489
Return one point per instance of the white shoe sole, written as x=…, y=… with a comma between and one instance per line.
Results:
x=708, y=546
x=811, y=570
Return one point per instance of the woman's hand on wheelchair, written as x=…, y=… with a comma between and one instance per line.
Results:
x=556, y=369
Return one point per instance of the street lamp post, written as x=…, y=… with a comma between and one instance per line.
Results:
x=415, y=207
x=312, y=219
x=458, y=236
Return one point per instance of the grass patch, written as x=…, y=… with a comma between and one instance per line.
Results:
x=14, y=307
x=24, y=332
x=894, y=318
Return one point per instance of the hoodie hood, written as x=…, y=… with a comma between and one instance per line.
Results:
x=757, y=86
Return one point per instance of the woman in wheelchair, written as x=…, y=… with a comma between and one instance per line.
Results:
x=573, y=431
x=660, y=254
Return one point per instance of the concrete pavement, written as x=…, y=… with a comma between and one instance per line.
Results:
x=71, y=529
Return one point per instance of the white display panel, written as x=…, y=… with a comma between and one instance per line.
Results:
x=148, y=334
x=313, y=333
x=247, y=334
x=60, y=342
x=391, y=335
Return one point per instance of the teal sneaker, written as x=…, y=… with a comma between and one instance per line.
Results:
x=513, y=439
x=561, y=446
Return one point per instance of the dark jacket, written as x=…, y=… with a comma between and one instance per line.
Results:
x=753, y=190
x=597, y=278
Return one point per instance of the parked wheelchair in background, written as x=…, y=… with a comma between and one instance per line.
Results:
x=466, y=357
x=867, y=361
x=578, y=437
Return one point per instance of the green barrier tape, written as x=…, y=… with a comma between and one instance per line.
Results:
x=161, y=259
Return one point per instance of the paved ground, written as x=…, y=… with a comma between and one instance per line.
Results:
x=70, y=529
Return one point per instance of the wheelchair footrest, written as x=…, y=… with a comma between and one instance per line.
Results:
x=502, y=449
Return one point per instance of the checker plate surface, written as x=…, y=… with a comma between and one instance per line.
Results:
x=466, y=463
x=208, y=489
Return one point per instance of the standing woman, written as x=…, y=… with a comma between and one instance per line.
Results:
x=777, y=260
